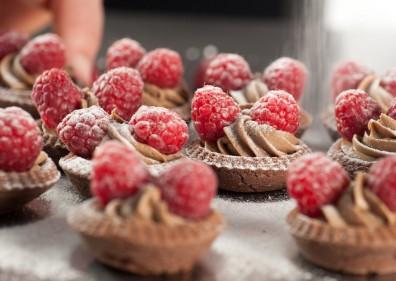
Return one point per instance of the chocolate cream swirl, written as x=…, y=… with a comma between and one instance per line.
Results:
x=371, y=85
x=253, y=91
x=359, y=206
x=146, y=206
x=246, y=137
x=164, y=97
x=12, y=74
x=378, y=142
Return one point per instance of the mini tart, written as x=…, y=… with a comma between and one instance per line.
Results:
x=15, y=85
x=78, y=169
x=263, y=160
x=362, y=152
x=19, y=188
x=176, y=99
x=141, y=245
x=256, y=89
x=356, y=249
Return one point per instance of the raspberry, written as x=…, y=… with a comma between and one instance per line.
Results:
x=286, y=74
x=199, y=80
x=347, y=75
x=117, y=172
x=160, y=128
x=392, y=110
x=188, y=187
x=55, y=95
x=120, y=89
x=388, y=81
x=382, y=181
x=43, y=53
x=162, y=67
x=124, y=52
x=20, y=140
x=353, y=111
x=211, y=111
x=314, y=181
x=278, y=109
x=82, y=130
x=11, y=42
x=228, y=71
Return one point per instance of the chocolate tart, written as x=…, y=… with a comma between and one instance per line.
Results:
x=355, y=250
x=144, y=247
x=19, y=188
x=15, y=86
x=246, y=174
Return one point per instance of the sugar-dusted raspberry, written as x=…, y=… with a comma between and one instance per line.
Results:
x=124, y=52
x=347, y=75
x=286, y=74
x=162, y=67
x=83, y=129
x=228, y=71
x=211, y=111
x=353, y=111
x=388, y=81
x=188, y=187
x=20, y=140
x=55, y=95
x=43, y=53
x=314, y=180
x=160, y=128
x=382, y=180
x=121, y=89
x=11, y=42
x=392, y=110
x=278, y=109
x=199, y=79
x=117, y=172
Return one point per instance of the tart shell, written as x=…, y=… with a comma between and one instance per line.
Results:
x=350, y=164
x=144, y=247
x=19, y=188
x=354, y=250
x=246, y=174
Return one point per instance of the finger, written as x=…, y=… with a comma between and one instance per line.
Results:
x=80, y=24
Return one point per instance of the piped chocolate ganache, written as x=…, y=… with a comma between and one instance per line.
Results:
x=379, y=141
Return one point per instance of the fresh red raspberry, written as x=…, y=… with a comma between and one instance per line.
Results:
x=353, y=111
x=120, y=89
x=388, y=81
x=392, y=110
x=382, y=181
x=286, y=74
x=43, y=53
x=124, y=52
x=162, y=67
x=11, y=42
x=211, y=111
x=83, y=129
x=313, y=180
x=228, y=71
x=188, y=187
x=160, y=128
x=347, y=75
x=278, y=109
x=55, y=95
x=117, y=172
x=20, y=140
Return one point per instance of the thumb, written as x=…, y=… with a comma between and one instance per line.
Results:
x=82, y=68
